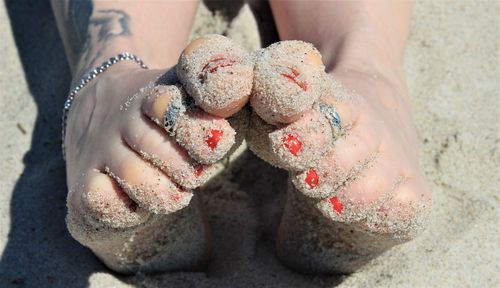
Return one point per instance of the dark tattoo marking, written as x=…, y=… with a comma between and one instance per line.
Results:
x=104, y=26
x=87, y=31
x=111, y=23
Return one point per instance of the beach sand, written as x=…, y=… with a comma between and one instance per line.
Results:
x=452, y=62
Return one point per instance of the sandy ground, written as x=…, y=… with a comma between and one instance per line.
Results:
x=452, y=62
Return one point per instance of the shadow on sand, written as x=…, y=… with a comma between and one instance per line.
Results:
x=40, y=252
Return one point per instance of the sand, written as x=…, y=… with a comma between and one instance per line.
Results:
x=452, y=62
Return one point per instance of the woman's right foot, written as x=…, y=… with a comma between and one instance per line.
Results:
x=130, y=178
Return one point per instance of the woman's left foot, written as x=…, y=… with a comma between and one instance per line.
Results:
x=355, y=186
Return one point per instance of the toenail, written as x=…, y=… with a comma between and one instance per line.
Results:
x=292, y=144
x=213, y=65
x=176, y=197
x=337, y=206
x=214, y=138
x=293, y=77
x=312, y=178
x=198, y=170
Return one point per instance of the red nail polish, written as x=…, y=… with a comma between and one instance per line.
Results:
x=292, y=144
x=293, y=77
x=312, y=178
x=213, y=65
x=337, y=206
x=176, y=197
x=198, y=170
x=214, y=138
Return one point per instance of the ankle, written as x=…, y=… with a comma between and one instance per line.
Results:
x=369, y=65
x=367, y=54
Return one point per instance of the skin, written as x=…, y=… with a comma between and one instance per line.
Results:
x=364, y=51
x=122, y=167
x=126, y=176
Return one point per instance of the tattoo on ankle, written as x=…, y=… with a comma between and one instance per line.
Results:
x=104, y=26
x=110, y=23
x=89, y=31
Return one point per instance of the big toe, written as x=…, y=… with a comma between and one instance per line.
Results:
x=288, y=79
x=217, y=73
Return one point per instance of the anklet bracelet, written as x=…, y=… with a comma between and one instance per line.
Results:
x=89, y=77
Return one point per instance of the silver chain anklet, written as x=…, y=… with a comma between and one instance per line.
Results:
x=89, y=77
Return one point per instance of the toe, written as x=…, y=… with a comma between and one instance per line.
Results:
x=217, y=73
x=205, y=137
x=299, y=145
x=288, y=79
x=370, y=182
x=355, y=147
x=150, y=188
x=343, y=164
x=407, y=213
x=161, y=150
x=322, y=180
x=378, y=200
x=163, y=98
x=102, y=203
x=403, y=213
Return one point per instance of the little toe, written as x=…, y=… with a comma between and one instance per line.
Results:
x=103, y=204
x=150, y=188
x=217, y=73
x=408, y=209
x=288, y=79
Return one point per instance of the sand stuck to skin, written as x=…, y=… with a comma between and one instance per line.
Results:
x=452, y=70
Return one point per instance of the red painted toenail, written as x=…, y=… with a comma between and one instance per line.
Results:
x=337, y=206
x=213, y=65
x=214, y=138
x=198, y=170
x=293, y=77
x=312, y=178
x=292, y=144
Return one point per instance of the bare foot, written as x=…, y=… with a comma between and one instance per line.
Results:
x=355, y=186
x=130, y=178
